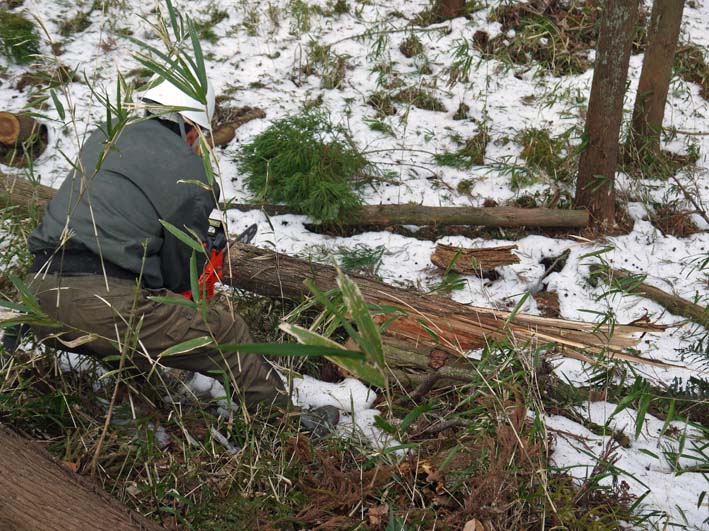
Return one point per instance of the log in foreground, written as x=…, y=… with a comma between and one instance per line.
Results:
x=37, y=493
x=429, y=320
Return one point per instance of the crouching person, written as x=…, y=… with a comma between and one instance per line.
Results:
x=101, y=252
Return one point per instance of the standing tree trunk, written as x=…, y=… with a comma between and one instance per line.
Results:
x=595, y=183
x=663, y=33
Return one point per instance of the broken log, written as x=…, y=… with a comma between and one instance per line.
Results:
x=473, y=261
x=37, y=493
x=430, y=320
x=672, y=303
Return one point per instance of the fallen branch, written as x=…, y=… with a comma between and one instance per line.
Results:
x=672, y=303
x=473, y=261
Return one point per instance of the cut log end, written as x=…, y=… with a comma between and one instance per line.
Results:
x=22, y=139
x=9, y=128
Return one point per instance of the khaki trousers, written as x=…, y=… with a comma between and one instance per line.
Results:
x=85, y=306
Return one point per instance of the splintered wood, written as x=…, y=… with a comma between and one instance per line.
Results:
x=434, y=321
x=473, y=261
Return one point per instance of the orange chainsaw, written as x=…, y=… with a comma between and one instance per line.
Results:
x=215, y=247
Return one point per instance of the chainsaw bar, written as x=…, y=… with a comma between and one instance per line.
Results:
x=248, y=234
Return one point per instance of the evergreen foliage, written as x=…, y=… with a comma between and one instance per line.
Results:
x=307, y=163
x=19, y=38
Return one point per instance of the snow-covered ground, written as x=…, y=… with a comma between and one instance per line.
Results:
x=263, y=69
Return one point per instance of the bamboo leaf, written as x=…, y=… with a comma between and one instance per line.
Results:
x=186, y=346
x=371, y=340
x=180, y=301
x=194, y=279
x=58, y=104
x=413, y=415
x=88, y=338
x=293, y=349
x=196, y=182
x=13, y=306
x=173, y=18
x=182, y=236
x=669, y=418
x=358, y=367
x=642, y=411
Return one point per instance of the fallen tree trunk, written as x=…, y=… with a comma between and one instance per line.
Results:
x=674, y=304
x=20, y=192
x=429, y=320
x=505, y=217
x=37, y=493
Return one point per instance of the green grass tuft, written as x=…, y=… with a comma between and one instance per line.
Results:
x=472, y=153
x=307, y=163
x=691, y=65
x=419, y=98
x=411, y=46
x=552, y=155
x=19, y=37
x=78, y=23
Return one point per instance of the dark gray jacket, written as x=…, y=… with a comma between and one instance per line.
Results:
x=115, y=211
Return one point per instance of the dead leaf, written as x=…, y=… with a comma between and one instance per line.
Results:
x=377, y=514
x=88, y=338
x=437, y=359
x=473, y=525
x=74, y=467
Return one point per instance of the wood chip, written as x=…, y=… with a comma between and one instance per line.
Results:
x=473, y=261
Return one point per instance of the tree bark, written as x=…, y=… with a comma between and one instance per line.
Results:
x=39, y=494
x=18, y=191
x=649, y=110
x=597, y=165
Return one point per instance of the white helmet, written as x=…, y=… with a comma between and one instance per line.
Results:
x=165, y=93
